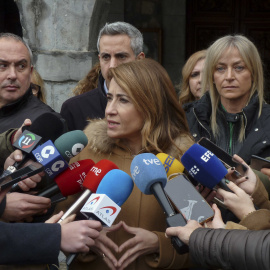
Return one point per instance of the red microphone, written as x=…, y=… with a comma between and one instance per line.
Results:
x=70, y=181
x=91, y=182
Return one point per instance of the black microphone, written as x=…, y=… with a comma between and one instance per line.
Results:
x=45, y=127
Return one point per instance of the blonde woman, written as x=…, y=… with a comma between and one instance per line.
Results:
x=233, y=113
x=190, y=87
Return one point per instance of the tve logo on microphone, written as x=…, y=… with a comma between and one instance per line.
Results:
x=102, y=207
x=50, y=158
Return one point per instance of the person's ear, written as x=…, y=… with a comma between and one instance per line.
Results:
x=141, y=55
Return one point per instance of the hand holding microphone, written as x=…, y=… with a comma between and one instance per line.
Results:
x=76, y=236
x=113, y=190
x=29, y=182
x=239, y=202
x=248, y=181
x=150, y=177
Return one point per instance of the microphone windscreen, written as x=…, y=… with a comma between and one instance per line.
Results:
x=96, y=173
x=71, y=180
x=171, y=164
x=146, y=169
x=71, y=143
x=117, y=185
x=47, y=125
x=203, y=166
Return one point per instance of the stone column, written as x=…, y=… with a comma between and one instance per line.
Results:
x=62, y=35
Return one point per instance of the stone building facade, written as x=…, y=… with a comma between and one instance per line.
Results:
x=63, y=35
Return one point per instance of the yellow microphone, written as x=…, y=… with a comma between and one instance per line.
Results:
x=171, y=164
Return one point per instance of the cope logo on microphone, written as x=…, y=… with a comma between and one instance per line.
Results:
x=50, y=158
x=77, y=148
x=47, y=151
x=27, y=141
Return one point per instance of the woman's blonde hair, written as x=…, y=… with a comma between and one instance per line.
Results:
x=89, y=82
x=153, y=94
x=185, y=93
x=252, y=60
x=38, y=85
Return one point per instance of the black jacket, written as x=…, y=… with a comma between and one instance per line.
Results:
x=23, y=243
x=28, y=106
x=257, y=130
x=230, y=249
x=90, y=105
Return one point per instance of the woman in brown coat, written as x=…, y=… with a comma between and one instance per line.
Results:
x=142, y=115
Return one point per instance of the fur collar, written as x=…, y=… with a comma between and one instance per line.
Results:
x=99, y=142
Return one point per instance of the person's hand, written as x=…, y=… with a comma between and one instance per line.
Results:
x=266, y=171
x=183, y=233
x=143, y=242
x=207, y=193
x=55, y=218
x=104, y=246
x=27, y=183
x=3, y=193
x=248, y=181
x=20, y=206
x=217, y=221
x=78, y=236
x=27, y=122
x=239, y=202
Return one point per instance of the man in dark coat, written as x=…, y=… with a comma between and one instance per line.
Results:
x=16, y=99
x=118, y=43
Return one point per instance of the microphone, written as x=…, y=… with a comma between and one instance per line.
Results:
x=171, y=164
x=54, y=157
x=70, y=181
x=48, y=155
x=150, y=177
x=205, y=167
x=71, y=144
x=46, y=126
x=91, y=182
x=112, y=192
x=105, y=205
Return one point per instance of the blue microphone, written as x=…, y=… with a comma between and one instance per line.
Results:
x=47, y=155
x=150, y=177
x=205, y=167
x=117, y=186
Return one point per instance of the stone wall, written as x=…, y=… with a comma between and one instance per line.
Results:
x=62, y=36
